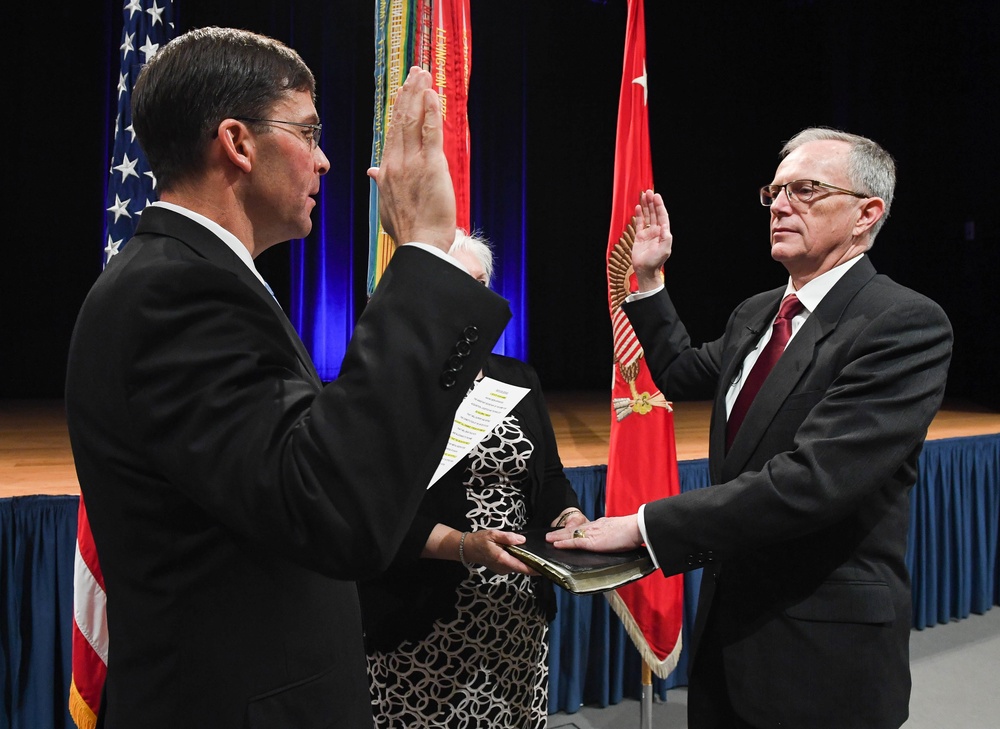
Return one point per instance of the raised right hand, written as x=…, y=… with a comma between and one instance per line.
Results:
x=416, y=195
x=653, y=240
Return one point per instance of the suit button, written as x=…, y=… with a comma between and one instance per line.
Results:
x=448, y=379
x=455, y=362
x=471, y=334
x=462, y=348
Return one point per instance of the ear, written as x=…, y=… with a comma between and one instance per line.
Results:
x=237, y=143
x=871, y=211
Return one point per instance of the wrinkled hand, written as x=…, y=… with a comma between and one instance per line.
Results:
x=607, y=534
x=484, y=547
x=416, y=196
x=653, y=240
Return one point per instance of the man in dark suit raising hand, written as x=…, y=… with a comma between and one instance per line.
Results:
x=823, y=391
x=234, y=498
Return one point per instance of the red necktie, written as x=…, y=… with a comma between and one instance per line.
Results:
x=781, y=332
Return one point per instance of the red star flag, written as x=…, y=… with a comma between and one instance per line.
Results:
x=642, y=459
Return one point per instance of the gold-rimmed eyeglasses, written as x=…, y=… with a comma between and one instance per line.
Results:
x=311, y=136
x=801, y=190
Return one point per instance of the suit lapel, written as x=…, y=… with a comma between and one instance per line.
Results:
x=831, y=309
x=745, y=340
x=161, y=221
x=791, y=366
x=780, y=382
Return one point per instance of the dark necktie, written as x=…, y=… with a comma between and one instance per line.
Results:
x=781, y=332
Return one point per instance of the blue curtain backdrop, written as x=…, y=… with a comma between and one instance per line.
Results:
x=543, y=103
x=546, y=76
x=952, y=556
x=498, y=120
x=326, y=289
x=37, y=549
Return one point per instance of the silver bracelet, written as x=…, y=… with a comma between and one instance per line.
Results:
x=461, y=549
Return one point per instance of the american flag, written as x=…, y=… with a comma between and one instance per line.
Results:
x=148, y=25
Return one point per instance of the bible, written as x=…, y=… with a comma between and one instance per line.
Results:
x=579, y=571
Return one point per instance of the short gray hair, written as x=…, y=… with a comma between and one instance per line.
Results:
x=870, y=168
x=478, y=246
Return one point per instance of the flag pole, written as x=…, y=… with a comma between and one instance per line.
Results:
x=646, y=715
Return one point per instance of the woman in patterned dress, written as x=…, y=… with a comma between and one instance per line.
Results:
x=456, y=629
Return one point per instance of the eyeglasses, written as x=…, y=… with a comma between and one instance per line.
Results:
x=311, y=136
x=800, y=190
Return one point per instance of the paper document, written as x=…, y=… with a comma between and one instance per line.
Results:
x=481, y=411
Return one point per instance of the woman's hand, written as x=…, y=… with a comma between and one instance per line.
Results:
x=485, y=547
x=570, y=518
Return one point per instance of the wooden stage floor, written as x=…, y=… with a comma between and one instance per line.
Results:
x=35, y=456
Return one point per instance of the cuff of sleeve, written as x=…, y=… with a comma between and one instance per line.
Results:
x=639, y=295
x=437, y=252
x=645, y=539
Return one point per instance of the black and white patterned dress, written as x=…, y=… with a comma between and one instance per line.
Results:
x=487, y=667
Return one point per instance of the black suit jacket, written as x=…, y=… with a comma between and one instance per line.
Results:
x=803, y=534
x=233, y=498
x=404, y=602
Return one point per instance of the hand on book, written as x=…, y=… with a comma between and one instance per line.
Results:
x=607, y=534
x=486, y=547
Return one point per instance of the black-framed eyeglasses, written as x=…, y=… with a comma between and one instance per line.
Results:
x=801, y=190
x=312, y=136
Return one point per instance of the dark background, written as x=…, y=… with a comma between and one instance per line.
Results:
x=729, y=83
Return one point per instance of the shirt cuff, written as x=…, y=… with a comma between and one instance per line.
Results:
x=639, y=295
x=640, y=517
x=439, y=253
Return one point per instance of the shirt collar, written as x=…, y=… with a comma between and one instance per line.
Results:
x=813, y=292
x=228, y=238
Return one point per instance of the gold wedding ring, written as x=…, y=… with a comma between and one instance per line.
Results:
x=579, y=534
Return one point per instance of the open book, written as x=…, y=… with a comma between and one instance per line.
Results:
x=578, y=571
